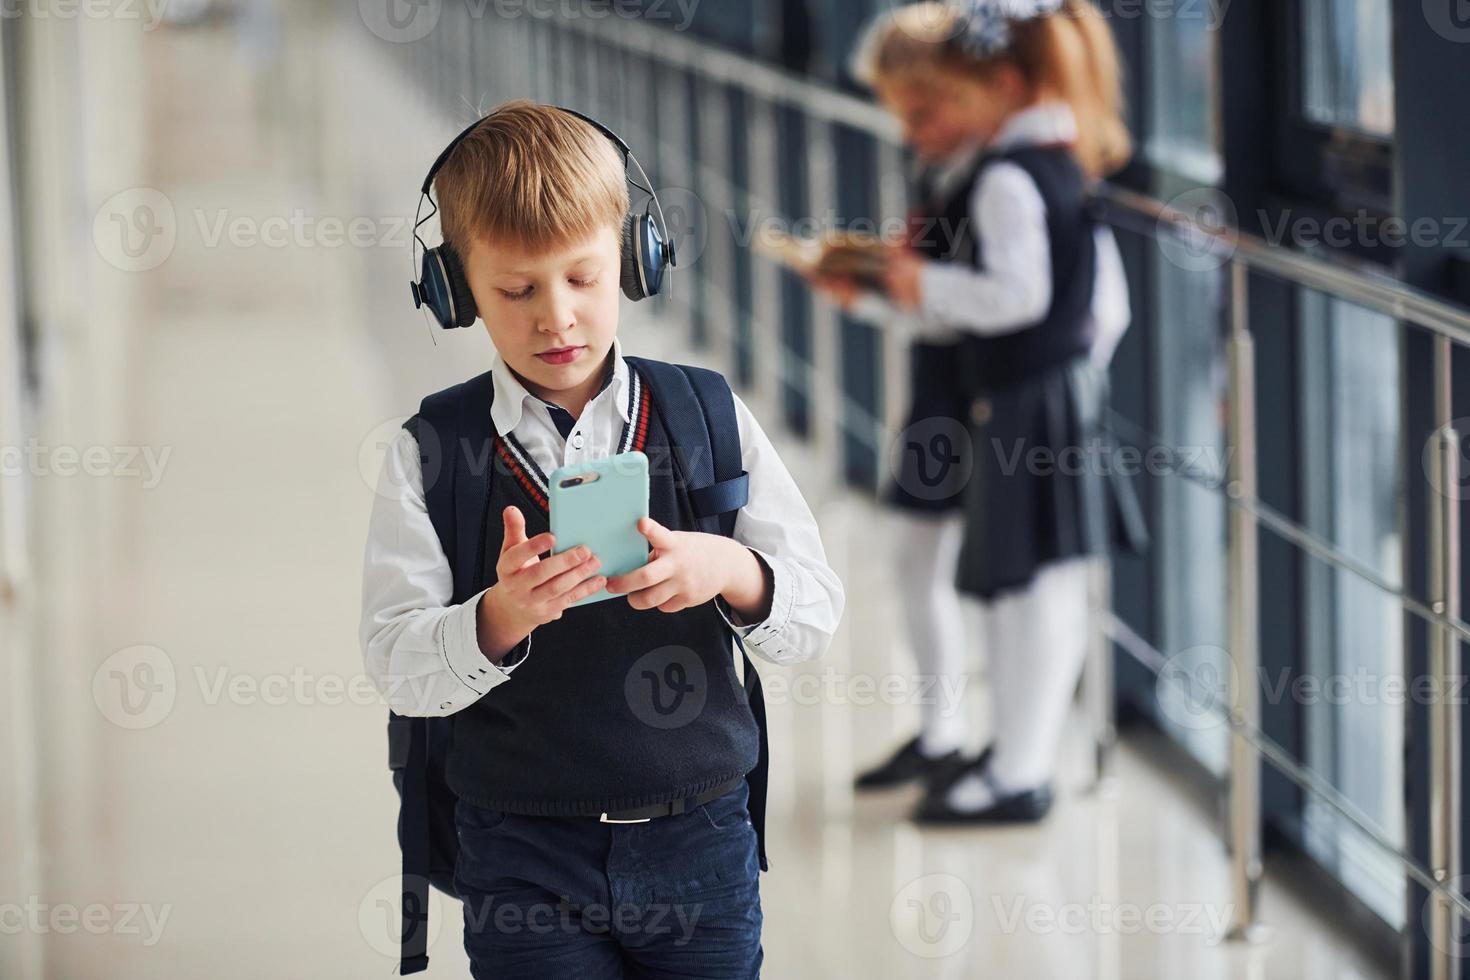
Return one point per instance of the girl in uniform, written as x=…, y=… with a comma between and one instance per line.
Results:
x=1019, y=298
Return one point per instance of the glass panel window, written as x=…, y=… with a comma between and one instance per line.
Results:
x=1353, y=704
x=1191, y=531
x=1347, y=64
x=1184, y=125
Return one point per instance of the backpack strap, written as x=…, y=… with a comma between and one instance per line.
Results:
x=455, y=437
x=698, y=409
x=707, y=444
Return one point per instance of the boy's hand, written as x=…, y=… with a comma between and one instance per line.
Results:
x=901, y=278
x=689, y=568
x=530, y=591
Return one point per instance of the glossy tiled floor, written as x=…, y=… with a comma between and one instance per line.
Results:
x=252, y=818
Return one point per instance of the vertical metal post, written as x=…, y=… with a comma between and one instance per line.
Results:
x=824, y=386
x=1097, y=678
x=1244, y=573
x=1444, y=668
x=763, y=205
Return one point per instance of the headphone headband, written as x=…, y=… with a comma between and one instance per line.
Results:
x=444, y=155
x=647, y=251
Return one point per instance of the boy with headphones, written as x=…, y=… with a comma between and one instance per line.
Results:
x=603, y=756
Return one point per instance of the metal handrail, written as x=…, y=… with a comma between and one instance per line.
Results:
x=1353, y=281
x=1361, y=284
x=1356, y=281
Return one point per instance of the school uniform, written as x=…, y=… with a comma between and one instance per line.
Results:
x=605, y=710
x=1030, y=290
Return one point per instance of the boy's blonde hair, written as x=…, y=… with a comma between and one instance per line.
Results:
x=534, y=175
x=1070, y=52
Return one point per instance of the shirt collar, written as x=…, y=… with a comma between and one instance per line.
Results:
x=1045, y=122
x=511, y=395
x=948, y=172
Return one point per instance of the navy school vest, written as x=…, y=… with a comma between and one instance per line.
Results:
x=945, y=233
x=615, y=707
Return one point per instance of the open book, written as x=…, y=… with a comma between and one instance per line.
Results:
x=856, y=256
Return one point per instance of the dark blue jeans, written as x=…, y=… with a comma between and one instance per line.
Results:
x=561, y=897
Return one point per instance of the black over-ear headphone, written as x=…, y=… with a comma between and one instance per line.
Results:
x=648, y=251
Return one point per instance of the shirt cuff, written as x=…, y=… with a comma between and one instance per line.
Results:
x=460, y=646
x=765, y=635
x=934, y=282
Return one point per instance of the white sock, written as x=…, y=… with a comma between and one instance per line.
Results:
x=1034, y=668
x=928, y=550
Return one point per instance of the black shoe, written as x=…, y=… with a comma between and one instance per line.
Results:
x=907, y=765
x=1027, y=806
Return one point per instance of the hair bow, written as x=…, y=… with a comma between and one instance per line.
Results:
x=986, y=24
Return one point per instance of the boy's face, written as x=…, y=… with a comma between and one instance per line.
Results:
x=551, y=315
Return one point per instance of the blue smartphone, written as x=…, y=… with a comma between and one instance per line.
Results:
x=598, y=504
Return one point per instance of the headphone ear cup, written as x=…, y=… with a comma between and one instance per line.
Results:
x=464, y=312
x=632, y=273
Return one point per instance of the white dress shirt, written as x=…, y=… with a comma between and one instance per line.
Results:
x=1008, y=218
x=422, y=651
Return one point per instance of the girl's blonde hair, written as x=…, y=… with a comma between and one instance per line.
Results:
x=1071, y=53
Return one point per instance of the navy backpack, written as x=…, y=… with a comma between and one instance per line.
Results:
x=698, y=410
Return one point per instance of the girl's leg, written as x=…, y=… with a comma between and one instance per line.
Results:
x=935, y=623
x=1040, y=646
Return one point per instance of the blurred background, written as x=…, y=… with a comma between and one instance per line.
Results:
x=206, y=341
